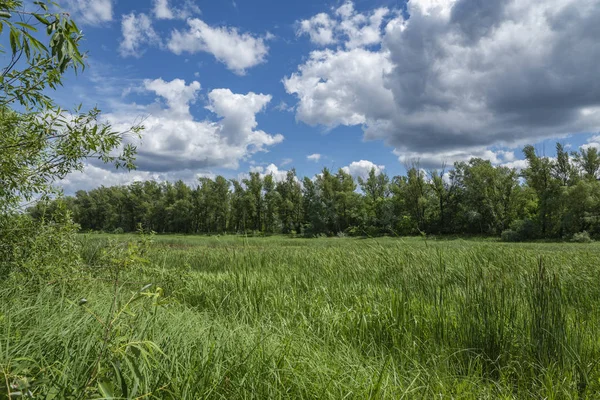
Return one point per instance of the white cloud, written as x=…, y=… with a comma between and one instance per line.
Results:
x=271, y=169
x=314, y=157
x=93, y=176
x=460, y=77
x=285, y=161
x=137, y=30
x=319, y=28
x=177, y=94
x=355, y=29
x=238, y=114
x=173, y=140
x=440, y=8
x=92, y=12
x=361, y=29
x=516, y=164
x=284, y=107
x=436, y=159
x=594, y=141
x=362, y=168
x=341, y=87
x=238, y=51
x=162, y=10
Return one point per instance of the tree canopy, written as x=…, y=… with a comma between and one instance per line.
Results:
x=551, y=198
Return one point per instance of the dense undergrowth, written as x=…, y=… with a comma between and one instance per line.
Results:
x=291, y=318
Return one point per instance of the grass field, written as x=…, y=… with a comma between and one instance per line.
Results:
x=331, y=318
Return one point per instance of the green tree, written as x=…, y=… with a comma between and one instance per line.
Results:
x=564, y=170
x=40, y=142
x=272, y=199
x=290, y=202
x=487, y=194
x=411, y=194
x=254, y=199
x=539, y=176
x=588, y=161
x=376, y=208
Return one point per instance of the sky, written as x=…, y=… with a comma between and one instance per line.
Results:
x=227, y=87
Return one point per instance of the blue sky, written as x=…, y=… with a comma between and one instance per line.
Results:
x=227, y=87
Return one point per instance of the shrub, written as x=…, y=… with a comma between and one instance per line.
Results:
x=525, y=228
x=511, y=236
x=118, y=231
x=43, y=250
x=519, y=231
x=581, y=237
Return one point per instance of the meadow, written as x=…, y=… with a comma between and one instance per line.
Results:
x=333, y=318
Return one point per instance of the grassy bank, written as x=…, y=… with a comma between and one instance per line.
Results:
x=324, y=318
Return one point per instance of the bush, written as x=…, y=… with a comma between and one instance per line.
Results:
x=525, y=228
x=511, y=236
x=42, y=250
x=581, y=237
x=118, y=231
x=520, y=230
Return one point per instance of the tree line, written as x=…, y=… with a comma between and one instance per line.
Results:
x=550, y=198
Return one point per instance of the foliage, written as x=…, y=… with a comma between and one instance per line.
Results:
x=554, y=199
x=581, y=237
x=511, y=236
x=38, y=250
x=40, y=142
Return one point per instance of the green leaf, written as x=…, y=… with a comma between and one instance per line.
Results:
x=41, y=19
x=26, y=26
x=14, y=40
x=106, y=388
x=120, y=379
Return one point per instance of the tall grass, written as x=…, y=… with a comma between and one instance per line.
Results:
x=332, y=318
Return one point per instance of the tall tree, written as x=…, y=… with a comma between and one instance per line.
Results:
x=377, y=208
x=564, y=170
x=221, y=203
x=272, y=200
x=588, y=161
x=254, y=194
x=290, y=202
x=538, y=175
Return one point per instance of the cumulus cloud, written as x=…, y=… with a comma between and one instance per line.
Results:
x=173, y=140
x=92, y=12
x=461, y=76
x=93, y=176
x=238, y=114
x=362, y=168
x=162, y=10
x=516, y=164
x=319, y=28
x=137, y=31
x=314, y=157
x=238, y=51
x=594, y=141
x=353, y=28
x=176, y=93
x=271, y=169
x=341, y=87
